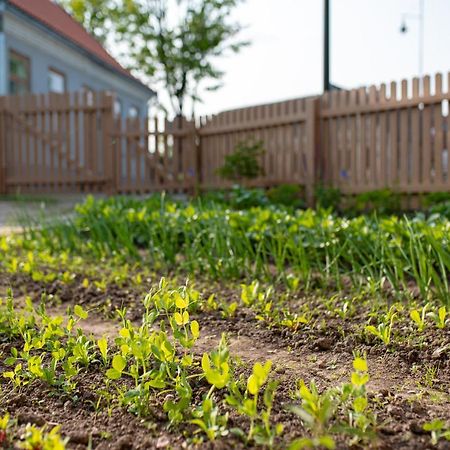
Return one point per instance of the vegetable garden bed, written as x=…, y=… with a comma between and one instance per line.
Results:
x=155, y=324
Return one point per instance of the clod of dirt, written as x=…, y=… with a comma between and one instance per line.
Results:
x=18, y=400
x=416, y=428
x=79, y=437
x=29, y=417
x=324, y=344
x=124, y=443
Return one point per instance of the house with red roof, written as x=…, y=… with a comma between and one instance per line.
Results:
x=43, y=49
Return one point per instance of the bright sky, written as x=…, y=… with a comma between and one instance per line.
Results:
x=285, y=58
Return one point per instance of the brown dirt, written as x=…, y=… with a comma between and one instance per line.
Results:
x=404, y=397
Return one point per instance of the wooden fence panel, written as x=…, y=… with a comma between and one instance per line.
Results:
x=55, y=142
x=281, y=127
x=397, y=143
x=395, y=136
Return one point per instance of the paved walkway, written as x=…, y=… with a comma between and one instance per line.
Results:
x=13, y=213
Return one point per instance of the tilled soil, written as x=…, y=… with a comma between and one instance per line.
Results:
x=409, y=383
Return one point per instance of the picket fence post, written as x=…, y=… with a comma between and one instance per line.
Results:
x=2, y=146
x=312, y=148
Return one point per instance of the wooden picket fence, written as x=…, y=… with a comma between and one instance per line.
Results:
x=394, y=136
x=55, y=143
x=287, y=131
x=374, y=139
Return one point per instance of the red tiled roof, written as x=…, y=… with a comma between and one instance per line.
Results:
x=54, y=17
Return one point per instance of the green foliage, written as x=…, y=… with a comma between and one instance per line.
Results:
x=419, y=317
x=384, y=329
x=440, y=317
x=438, y=429
x=322, y=413
x=243, y=163
x=440, y=209
x=383, y=201
x=37, y=438
x=216, y=367
x=286, y=195
x=95, y=15
x=327, y=197
x=436, y=198
x=208, y=419
x=173, y=44
x=377, y=254
x=246, y=403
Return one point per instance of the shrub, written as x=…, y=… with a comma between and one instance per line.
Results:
x=243, y=163
x=287, y=195
x=384, y=201
x=327, y=197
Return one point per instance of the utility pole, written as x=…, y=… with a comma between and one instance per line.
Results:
x=326, y=47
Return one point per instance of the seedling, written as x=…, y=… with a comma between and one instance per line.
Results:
x=440, y=317
x=316, y=411
x=419, y=316
x=384, y=329
x=208, y=419
x=261, y=430
x=38, y=439
x=438, y=429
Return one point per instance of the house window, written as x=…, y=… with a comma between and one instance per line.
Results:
x=19, y=73
x=89, y=94
x=56, y=81
x=133, y=112
x=117, y=107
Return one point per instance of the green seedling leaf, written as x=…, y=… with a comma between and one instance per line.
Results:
x=195, y=329
x=360, y=364
x=180, y=302
x=103, y=347
x=118, y=364
x=181, y=319
x=80, y=312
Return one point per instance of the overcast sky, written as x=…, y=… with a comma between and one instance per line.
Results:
x=285, y=58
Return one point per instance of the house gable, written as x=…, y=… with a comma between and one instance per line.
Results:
x=51, y=54
x=48, y=15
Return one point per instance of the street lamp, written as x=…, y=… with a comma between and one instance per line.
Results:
x=404, y=29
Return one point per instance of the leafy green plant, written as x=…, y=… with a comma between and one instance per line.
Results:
x=440, y=317
x=261, y=429
x=216, y=367
x=38, y=439
x=438, y=430
x=243, y=163
x=384, y=329
x=316, y=411
x=321, y=412
x=384, y=201
x=209, y=420
x=4, y=431
x=419, y=316
x=327, y=197
x=286, y=195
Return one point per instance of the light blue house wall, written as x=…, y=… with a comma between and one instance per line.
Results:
x=46, y=49
x=2, y=51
